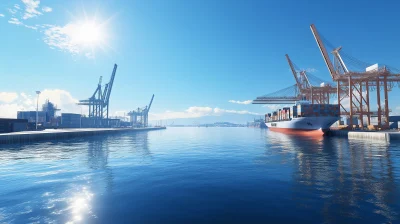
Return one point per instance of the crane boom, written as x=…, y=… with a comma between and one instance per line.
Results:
x=298, y=82
x=304, y=74
x=100, y=79
x=151, y=101
x=98, y=90
x=110, y=85
x=340, y=60
x=323, y=51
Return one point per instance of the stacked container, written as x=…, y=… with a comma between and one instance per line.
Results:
x=293, y=112
x=317, y=110
x=275, y=116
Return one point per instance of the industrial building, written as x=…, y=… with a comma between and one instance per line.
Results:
x=31, y=116
x=51, y=117
x=69, y=120
x=13, y=125
x=98, y=116
x=46, y=117
x=91, y=122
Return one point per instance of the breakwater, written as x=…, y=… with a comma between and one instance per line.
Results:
x=57, y=134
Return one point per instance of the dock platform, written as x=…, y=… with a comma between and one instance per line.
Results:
x=57, y=134
x=372, y=135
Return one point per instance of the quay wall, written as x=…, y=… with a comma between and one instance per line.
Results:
x=57, y=134
x=372, y=135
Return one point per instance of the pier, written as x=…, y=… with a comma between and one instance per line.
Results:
x=371, y=135
x=57, y=134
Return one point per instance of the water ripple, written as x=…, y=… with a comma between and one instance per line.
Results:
x=209, y=175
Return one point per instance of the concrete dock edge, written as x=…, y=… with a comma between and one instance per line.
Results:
x=58, y=134
x=382, y=136
x=372, y=135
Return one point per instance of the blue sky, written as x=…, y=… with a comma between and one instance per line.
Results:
x=195, y=56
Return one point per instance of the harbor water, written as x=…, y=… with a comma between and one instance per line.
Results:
x=201, y=175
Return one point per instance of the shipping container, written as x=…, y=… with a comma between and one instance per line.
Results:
x=31, y=116
x=69, y=120
x=13, y=125
x=318, y=110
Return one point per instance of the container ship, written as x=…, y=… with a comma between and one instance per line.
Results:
x=303, y=118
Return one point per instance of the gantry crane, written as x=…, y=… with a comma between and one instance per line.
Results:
x=352, y=84
x=304, y=89
x=320, y=93
x=107, y=93
x=99, y=102
x=140, y=117
x=146, y=112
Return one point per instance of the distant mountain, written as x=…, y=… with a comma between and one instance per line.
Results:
x=231, y=118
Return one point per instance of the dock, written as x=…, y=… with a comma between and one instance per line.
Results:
x=58, y=134
x=371, y=135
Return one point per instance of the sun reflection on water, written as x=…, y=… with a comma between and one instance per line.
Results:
x=80, y=206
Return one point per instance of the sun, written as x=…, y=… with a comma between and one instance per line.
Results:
x=88, y=33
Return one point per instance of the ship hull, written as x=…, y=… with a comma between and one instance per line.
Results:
x=303, y=125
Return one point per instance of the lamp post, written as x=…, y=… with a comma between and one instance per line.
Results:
x=80, y=121
x=37, y=108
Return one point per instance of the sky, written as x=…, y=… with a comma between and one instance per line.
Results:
x=204, y=60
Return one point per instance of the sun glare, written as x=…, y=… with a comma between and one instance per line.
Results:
x=85, y=34
x=88, y=33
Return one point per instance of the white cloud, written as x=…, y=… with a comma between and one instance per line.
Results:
x=120, y=114
x=240, y=102
x=311, y=70
x=31, y=9
x=12, y=11
x=58, y=37
x=31, y=27
x=200, y=110
x=47, y=9
x=89, y=55
x=396, y=111
x=62, y=98
x=195, y=112
x=8, y=97
x=71, y=38
x=80, y=37
x=9, y=110
x=2, y=15
x=13, y=102
x=15, y=21
x=223, y=111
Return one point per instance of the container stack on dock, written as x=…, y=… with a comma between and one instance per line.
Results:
x=69, y=120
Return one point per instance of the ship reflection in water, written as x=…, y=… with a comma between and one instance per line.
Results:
x=213, y=175
x=340, y=177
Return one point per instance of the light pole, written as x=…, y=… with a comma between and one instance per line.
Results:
x=37, y=108
x=80, y=121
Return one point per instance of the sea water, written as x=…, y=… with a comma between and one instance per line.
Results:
x=200, y=175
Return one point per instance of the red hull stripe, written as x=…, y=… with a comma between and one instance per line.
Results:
x=305, y=132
